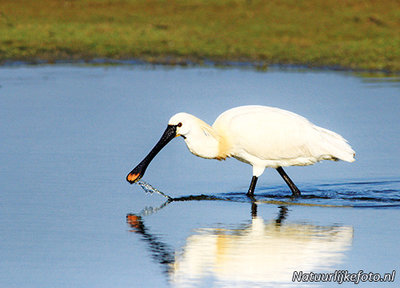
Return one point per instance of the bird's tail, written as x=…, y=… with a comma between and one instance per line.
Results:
x=335, y=147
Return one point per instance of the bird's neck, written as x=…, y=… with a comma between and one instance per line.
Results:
x=205, y=142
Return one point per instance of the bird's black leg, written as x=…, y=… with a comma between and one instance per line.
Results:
x=253, y=183
x=289, y=182
x=253, y=209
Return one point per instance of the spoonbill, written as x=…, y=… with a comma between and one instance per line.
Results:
x=261, y=136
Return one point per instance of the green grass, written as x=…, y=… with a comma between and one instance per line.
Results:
x=352, y=34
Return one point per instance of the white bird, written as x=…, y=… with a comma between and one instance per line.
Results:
x=261, y=136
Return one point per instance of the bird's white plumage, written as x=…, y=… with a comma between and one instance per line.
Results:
x=263, y=137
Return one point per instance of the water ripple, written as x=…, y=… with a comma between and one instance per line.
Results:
x=361, y=194
x=377, y=194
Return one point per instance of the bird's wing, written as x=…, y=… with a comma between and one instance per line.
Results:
x=266, y=133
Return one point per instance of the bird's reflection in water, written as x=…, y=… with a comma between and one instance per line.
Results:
x=262, y=252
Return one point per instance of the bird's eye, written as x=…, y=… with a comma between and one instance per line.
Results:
x=179, y=124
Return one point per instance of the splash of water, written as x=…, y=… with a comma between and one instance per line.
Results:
x=150, y=189
x=149, y=210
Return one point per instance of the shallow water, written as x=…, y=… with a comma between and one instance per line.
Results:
x=70, y=134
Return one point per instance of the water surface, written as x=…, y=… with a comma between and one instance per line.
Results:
x=70, y=134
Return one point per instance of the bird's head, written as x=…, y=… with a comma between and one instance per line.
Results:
x=201, y=139
x=184, y=123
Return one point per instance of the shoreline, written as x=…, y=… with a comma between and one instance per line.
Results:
x=171, y=61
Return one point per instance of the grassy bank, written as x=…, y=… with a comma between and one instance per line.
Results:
x=355, y=34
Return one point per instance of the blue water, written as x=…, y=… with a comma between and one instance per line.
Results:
x=71, y=133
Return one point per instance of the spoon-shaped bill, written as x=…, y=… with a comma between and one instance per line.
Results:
x=137, y=173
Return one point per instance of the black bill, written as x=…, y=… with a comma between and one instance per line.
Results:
x=137, y=173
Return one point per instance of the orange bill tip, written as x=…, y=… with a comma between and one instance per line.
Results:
x=132, y=177
x=133, y=220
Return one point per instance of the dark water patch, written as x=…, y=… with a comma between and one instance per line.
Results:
x=382, y=193
x=361, y=194
x=372, y=182
x=197, y=198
